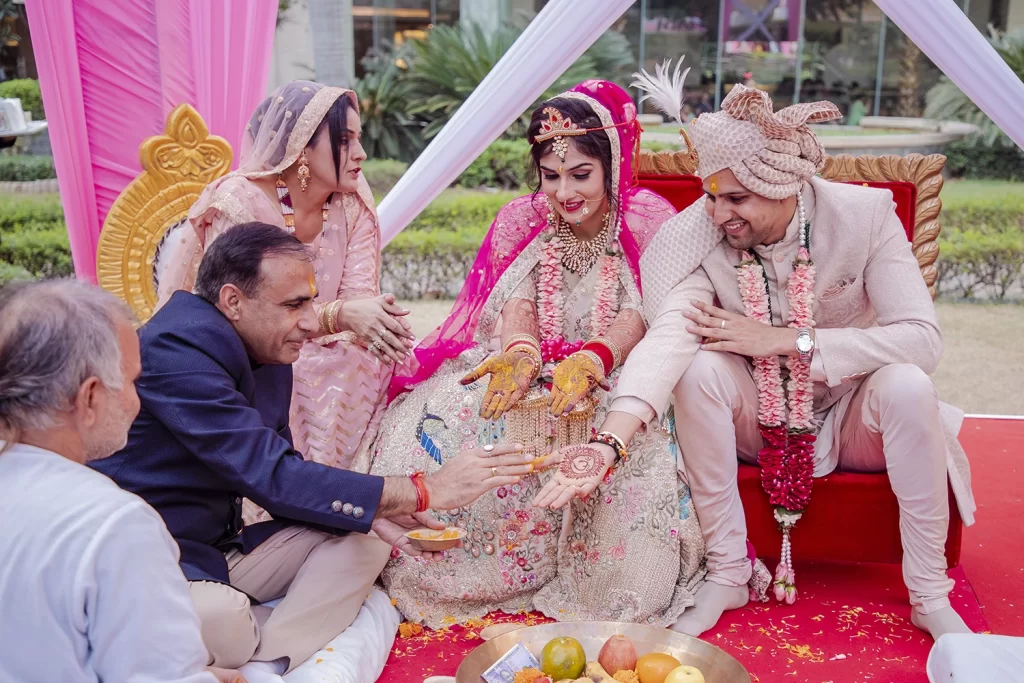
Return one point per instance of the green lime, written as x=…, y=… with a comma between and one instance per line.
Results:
x=563, y=658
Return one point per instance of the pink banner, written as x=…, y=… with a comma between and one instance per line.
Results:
x=110, y=72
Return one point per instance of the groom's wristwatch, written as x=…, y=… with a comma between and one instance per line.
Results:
x=805, y=345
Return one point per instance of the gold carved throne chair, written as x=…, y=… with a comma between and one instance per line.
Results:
x=176, y=166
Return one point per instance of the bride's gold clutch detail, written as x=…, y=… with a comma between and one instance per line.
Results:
x=530, y=423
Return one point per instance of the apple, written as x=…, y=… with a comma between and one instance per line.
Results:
x=618, y=653
x=685, y=674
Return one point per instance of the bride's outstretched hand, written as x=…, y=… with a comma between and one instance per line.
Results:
x=574, y=378
x=511, y=373
x=581, y=469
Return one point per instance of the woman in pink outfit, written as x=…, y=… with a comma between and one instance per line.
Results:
x=300, y=170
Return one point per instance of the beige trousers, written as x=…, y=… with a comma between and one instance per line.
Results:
x=323, y=579
x=892, y=425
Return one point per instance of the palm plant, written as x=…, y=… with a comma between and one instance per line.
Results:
x=946, y=102
x=452, y=61
x=389, y=130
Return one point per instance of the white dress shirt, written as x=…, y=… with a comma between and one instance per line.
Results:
x=89, y=580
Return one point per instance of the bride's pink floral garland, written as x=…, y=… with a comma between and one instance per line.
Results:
x=787, y=458
x=551, y=299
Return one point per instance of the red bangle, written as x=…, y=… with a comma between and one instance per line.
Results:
x=602, y=352
x=422, y=496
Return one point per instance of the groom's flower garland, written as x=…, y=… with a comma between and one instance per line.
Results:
x=787, y=458
x=551, y=300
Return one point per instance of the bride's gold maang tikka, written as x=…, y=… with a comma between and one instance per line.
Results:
x=558, y=127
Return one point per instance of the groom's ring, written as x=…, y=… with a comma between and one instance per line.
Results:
x=494, y=471
x=723, y=324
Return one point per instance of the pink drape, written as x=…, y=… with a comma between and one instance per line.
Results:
x=110, y=72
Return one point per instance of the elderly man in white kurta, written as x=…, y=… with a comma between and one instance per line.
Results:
x=821, y=275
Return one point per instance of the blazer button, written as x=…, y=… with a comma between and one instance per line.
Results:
x=238, y=501
x=346, y=509
x=358, y=512
x=336, y=506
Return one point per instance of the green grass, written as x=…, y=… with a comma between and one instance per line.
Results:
x=960, y=193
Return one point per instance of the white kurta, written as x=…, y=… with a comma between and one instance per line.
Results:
x=90, y=584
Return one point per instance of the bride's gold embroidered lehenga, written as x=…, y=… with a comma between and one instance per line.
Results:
x=632, y=551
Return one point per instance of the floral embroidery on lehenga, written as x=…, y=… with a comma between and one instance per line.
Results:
x=632, y=551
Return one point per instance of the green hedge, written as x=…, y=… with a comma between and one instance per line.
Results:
x=30, y=213
x=981, y=252
x=44, y=253
x=964, y=160
x=457, y=208
x=9, y=273
x=505, y=164
x=27, y=90
x=23, y=168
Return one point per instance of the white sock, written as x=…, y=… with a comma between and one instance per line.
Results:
x=939, y=622
x=709, y=603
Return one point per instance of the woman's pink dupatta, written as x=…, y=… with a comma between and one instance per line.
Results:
x=518, y=223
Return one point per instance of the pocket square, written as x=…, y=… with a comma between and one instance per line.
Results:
x=838, y=288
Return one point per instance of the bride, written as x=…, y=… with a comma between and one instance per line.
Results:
x=548, y=315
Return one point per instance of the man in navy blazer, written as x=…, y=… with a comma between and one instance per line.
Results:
x=213, y=429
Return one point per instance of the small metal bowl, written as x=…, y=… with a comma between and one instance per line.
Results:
x=717, y=665
x=430, y=540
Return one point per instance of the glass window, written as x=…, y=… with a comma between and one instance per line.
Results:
x=383, y=23
x=672, y=29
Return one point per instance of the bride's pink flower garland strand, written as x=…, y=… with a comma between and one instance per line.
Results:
x=787, y=458
x=551, y=300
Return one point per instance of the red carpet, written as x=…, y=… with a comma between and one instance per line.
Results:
x=851, y=622
x=993, y=550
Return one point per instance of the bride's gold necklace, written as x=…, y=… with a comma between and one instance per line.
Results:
x=579, y=256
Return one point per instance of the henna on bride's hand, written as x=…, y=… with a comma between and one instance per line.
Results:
x=519, y=316
x=581, y=462
x=626, y=331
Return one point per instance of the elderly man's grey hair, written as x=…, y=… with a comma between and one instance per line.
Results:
x=54, y=335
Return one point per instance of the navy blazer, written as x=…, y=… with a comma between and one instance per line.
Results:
x=213, y=429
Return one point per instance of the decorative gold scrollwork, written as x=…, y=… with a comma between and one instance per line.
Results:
x=176, y=166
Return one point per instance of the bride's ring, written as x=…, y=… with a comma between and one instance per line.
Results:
x=382, y=332
x=723, y=324
x=494, y=471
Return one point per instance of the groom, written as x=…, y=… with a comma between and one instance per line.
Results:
x=859, y=327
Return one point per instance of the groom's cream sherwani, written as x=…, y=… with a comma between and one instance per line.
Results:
x=872, y=310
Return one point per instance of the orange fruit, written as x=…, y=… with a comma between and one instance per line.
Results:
x=563, y=658
x=654, y=667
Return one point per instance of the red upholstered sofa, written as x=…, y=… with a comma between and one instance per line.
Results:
x=852, y=517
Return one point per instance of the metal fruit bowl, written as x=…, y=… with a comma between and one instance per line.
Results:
x=716, y=665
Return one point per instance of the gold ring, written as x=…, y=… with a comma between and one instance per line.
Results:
x=494, y=471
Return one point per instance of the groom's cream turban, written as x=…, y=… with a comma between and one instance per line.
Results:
x=770, y=153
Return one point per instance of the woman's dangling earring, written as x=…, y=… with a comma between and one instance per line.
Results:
x=303, y=171
x=551, y=211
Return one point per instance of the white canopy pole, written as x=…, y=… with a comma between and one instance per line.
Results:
x=947, y=36
x=557, y=36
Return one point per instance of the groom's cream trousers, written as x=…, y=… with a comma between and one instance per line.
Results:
x=892, y=425
x=323, y=580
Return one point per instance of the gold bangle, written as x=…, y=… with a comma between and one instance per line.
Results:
x=522, y=339
x=593, y=357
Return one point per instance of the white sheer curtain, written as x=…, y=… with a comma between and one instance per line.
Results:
x=557, y=36
x=947, y=36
